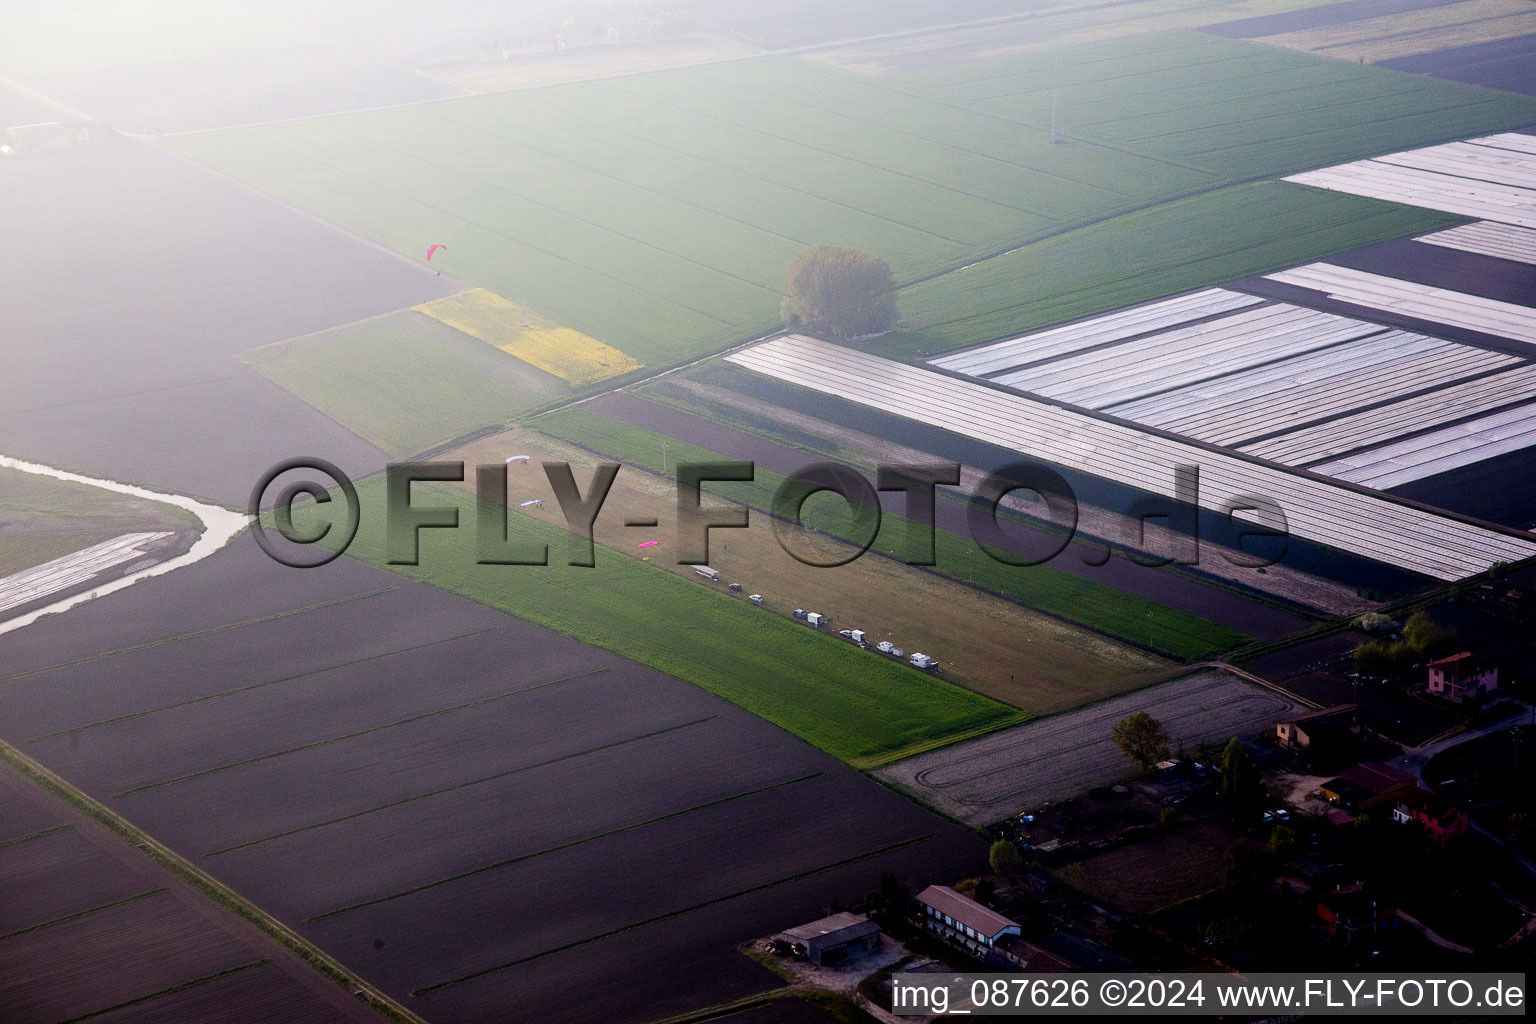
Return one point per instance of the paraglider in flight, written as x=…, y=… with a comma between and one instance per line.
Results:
x=433, y=248
x=531, y=501
x=518, y=458
x=649, y=543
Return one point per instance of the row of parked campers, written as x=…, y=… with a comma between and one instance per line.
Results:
x=713, y=576
x=858, y=636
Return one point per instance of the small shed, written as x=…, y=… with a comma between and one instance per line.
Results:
x=834, y=939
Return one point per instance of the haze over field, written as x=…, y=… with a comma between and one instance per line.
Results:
x=1115, y=419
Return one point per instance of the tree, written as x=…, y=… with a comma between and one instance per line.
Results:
x=839, y=292
x=1376, y=622
x=1374, y=659
x=1427, y=639
x=1282, y=840
x=1240, y=787
x=1005, y=859
x=1141, y=738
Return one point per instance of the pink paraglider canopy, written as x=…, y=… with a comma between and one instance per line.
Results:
x=433, y=248
x=649, y=543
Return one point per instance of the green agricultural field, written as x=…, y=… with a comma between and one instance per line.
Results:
x=405, y=382
x=1203, y=240
x=1058, y=593
x=658, y=212
x=866, y=711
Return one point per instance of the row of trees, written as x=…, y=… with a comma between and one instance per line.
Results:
x=1142, y=739
x=1423, y=639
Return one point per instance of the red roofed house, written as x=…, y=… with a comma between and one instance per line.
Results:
x=1350, y=913
x=1442, y=819
x=1462, y=676
x=962, y=921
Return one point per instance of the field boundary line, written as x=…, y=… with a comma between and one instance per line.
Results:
x=207, y=885
x=334, y=666
x=151, y=997
x=35, y=835
x=87, y=912
x=330, y=740
x=569, y=844
x=482, y=780
x=844, y=862
x=149, y=644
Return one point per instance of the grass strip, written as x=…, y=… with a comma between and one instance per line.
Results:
x=483, y=972
x=435, y=713
x=1062, y=595
x=84, y=913
x=257, y=686
x=462, y=785
x=863, y=710
x=199, y=633
x=208, y=886
x=194, y=983
x=35, y=835
x=620, y=830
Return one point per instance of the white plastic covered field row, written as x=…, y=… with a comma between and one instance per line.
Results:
x=1447, y=448
x=1121, y=325
x=1493, y=178
x=1280, y=396
x=1185, y=355
x=1502, y=241
x=1385, y=423
x=51, y=577
x=1421, y=301
x=1316, y=510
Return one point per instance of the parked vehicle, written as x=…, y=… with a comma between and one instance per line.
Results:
x=799, y=613
x=734, y=588
x=755, y=598
x=814, y=619
x=921, y=660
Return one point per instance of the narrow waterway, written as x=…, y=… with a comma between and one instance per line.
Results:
x=220, y=526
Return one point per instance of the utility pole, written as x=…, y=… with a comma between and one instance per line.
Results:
x=1058, y=133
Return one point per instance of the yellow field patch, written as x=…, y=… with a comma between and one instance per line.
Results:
x=518, y=331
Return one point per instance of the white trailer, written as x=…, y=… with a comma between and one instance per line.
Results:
x=814, y=619
x=712, y=575
x=858, y=636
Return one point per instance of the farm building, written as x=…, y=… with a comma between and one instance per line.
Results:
x=1376, y=778
x=1030, y=958
x=1343, y=793
x=1462, y=677
x=834, y=939
x=1442, y=820
x=1351, y=914
x=961, y=921
x=1341, y=722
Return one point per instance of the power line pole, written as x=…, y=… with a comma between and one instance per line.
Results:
x=1058, y=133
